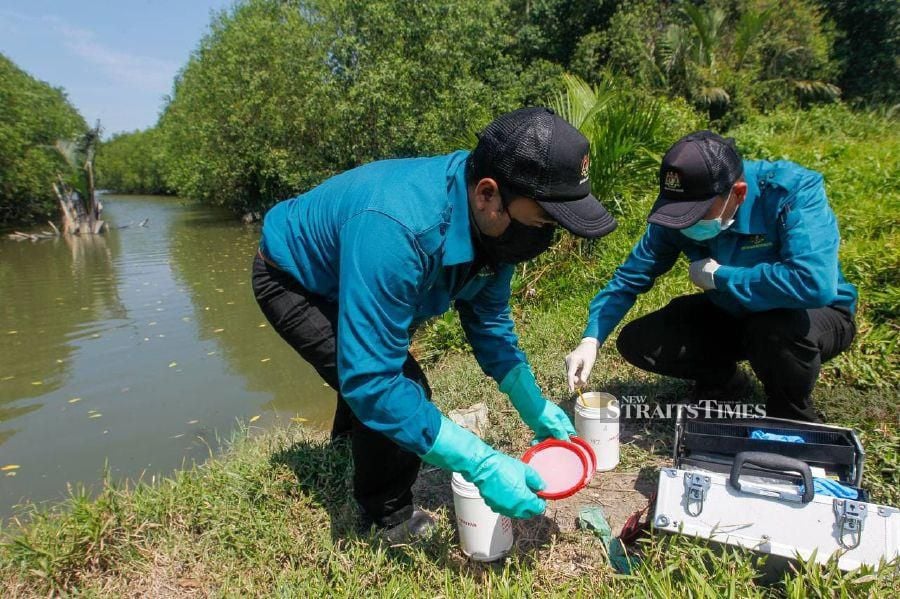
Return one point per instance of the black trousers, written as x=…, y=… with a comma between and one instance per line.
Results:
x=691, y=338
x=383, y=472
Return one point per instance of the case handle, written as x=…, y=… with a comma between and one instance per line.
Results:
x=773, y=461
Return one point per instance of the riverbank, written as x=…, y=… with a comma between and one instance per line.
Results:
x=273, y=516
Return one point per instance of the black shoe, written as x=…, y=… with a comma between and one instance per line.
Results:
x=738, y=387
x=419, y=526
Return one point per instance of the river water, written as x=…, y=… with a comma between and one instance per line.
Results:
x=140, y=349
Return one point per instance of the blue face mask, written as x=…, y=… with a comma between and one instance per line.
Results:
x=706, y=229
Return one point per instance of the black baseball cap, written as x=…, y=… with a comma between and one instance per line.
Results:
x=537, y=154
x=696, y=169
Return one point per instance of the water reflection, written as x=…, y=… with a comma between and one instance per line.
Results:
x=49, y=296
x=213, y=260
x=139, y=349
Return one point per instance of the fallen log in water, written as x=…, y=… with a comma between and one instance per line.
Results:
x=20, y=236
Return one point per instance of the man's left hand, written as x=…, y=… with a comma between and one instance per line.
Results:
x=551, y=422
x=544, y=417
x=702, y=272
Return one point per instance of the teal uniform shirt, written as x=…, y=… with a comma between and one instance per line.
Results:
x=780, y=252
x=390, y=242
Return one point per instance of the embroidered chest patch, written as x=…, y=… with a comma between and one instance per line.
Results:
x=755, y=242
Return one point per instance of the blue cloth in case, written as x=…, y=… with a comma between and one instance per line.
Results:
x=767, y=436
x=832, y=488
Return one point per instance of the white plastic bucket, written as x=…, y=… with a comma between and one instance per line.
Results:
x=484, y=535
x=597, y=422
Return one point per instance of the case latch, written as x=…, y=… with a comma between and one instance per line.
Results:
x=850, y=516
x=695, y=488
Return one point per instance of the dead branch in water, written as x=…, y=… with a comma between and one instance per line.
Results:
x=20, y=236
x=78, y=202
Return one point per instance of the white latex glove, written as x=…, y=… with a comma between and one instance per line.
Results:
x=580, y=362
x=702, y=272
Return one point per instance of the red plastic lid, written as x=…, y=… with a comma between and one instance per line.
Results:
x=591, y=455
x=561, y=464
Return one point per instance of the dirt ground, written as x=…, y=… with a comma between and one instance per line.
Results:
x=619, y=494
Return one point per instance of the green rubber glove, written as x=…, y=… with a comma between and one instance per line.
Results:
x=544, y=417
x=507, y=485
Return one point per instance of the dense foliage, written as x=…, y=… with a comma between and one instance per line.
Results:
x=280, y=94
x=728, y=58
x=133, y=163
x=868, y=48
x=33, y=116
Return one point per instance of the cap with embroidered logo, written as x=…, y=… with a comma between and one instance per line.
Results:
x=539, y=155
x=696, y=169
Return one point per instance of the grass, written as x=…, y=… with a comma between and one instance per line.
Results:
x=273, y=516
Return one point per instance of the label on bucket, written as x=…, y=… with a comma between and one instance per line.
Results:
x=600, y=427
x=484, y=535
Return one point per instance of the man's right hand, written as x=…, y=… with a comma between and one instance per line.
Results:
x=507, y=485
x=580, y=362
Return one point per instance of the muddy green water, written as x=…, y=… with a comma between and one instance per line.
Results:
x=140, y=349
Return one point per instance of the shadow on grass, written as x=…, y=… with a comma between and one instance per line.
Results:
x=324, y=474
x=433, y=492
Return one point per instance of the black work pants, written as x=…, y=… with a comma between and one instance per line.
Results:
x=383, y=472
x=692, y=338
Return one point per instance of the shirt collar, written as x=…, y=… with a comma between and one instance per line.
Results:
x=458, y=247
x=750, y=218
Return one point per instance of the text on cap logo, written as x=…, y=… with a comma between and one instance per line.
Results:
x=673, y=181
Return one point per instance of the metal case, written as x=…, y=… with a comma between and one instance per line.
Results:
x=758, y=493
x=773, y=519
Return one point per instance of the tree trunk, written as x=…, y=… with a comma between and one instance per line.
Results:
x=80, y=216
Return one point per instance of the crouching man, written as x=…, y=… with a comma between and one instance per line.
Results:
x=762, y=243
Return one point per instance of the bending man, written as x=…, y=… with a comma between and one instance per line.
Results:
x=347, y=270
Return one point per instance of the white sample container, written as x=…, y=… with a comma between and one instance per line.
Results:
x=597, y=422
x=484, y=535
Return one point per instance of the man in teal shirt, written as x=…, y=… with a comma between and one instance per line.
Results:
x=347, y=270
x=762, y=243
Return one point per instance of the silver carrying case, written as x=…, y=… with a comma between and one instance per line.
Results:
x=758, y=493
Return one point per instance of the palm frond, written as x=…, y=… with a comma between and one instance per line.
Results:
x=674, y=46
x=713, y=95
x=748, y=28
x=814, y=89
x=707, y=24
x=68, y=149
x=579, y=101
